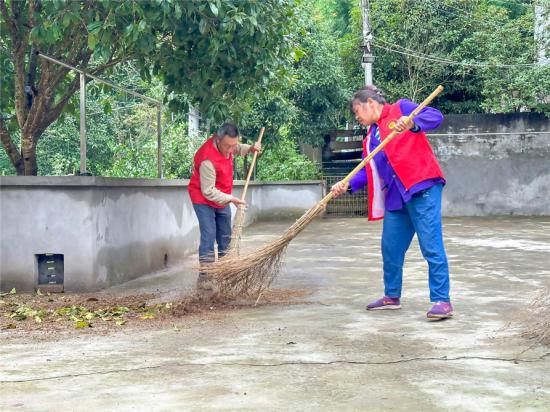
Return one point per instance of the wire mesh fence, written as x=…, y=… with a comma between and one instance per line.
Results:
x=349, y=205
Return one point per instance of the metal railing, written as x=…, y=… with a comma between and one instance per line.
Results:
x=83, y=142
x=348, y=205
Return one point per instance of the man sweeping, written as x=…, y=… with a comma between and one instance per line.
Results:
x=405, y=184
x=210, y=191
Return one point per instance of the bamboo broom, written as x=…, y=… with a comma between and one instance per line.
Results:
x=236, y=233
x=254, y=272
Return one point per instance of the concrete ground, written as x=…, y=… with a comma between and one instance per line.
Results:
x=327, y=353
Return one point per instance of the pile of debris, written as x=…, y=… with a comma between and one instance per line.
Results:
x=538, y=324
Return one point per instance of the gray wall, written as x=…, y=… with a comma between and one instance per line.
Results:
x=113, y=230
x=495, y=164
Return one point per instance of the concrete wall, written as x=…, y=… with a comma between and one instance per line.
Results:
x=113, y=230
x=495, y=164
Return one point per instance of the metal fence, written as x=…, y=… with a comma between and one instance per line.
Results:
x=349, y=205
x=83, y=140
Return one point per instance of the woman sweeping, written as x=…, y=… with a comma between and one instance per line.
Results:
x=405, y=184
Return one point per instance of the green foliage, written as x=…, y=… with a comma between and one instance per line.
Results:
x=284, y=162
x=417, y=28
x=315, y=100
x=288, y=67
x=338, y=14
x=471, y=32
x=58, y=151
x=179, y=150
x=224, y=51
x=215, y=52
x=320, y=94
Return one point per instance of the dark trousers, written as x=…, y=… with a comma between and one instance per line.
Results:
x=215, y=226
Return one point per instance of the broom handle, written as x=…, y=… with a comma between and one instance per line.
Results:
x=384, y=142
x=251, y=168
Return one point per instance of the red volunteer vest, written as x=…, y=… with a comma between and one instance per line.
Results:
x=410, y=155
x=224, y=173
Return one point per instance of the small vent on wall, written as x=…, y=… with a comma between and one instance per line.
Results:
x=50, y=272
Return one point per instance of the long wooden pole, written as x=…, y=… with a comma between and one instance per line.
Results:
x=251, y=168
x=234, y=245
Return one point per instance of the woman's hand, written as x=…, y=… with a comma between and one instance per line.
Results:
x=402, y=125
x=340, y=188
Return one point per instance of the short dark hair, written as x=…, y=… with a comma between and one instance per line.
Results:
x=227, y=129
x=365, y=93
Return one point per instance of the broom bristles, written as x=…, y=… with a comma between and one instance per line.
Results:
x=254, y=272
x=538, y=323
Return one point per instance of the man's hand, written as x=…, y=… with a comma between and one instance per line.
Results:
x=402, y=125
x=238, y=202
x=256, y=147
x=339, y=188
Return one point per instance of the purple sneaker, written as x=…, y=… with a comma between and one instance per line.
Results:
x=440, y=310
x=385, y=303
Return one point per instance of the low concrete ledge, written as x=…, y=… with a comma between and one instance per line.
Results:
x=98, y=181
x=111, y=230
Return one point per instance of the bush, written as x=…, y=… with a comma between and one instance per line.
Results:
x=285, y=162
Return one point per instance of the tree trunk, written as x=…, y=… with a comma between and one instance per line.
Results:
x=11, y=149
x=28, y=151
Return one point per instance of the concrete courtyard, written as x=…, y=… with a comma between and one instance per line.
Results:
x=323, y=352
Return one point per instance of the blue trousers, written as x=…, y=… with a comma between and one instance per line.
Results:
x=215, y=226
x=420, y=215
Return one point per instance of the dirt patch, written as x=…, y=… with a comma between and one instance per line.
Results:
x=56, y=316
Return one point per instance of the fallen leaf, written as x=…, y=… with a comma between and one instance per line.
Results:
x=81, y=324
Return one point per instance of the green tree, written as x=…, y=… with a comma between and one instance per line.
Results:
x=285, y=162
x=314, y=100
x=213, y=51
x=408, y=34
x=321, y=93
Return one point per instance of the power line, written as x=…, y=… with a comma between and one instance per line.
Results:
x=393, y=45
x=446, y=60
x=440, y=60
x=468, y=20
